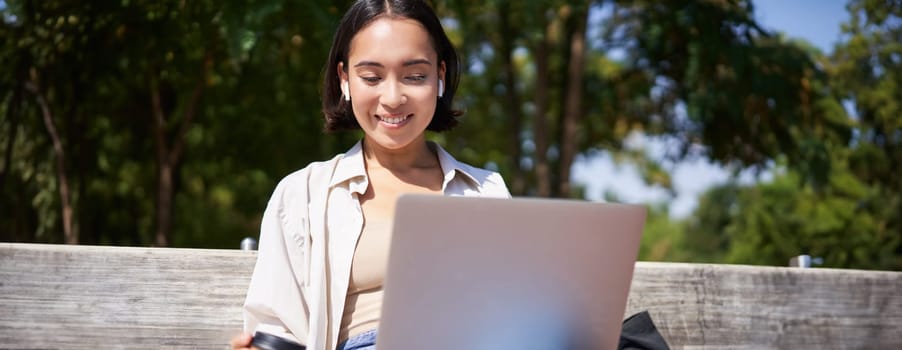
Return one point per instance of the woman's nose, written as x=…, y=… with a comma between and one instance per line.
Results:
x=393, y=94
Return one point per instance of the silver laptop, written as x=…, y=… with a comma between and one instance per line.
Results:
x=479, y=273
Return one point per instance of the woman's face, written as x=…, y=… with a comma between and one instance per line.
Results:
x=392, y=77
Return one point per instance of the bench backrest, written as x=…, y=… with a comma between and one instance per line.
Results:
x=56, y=296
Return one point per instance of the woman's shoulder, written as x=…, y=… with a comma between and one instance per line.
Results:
x=314, y=174
x=490, y=183
x=482, y=176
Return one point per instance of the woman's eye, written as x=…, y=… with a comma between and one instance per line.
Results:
x=371, y=80
x=416, y=78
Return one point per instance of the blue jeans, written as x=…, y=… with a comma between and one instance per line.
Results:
x=364, y=341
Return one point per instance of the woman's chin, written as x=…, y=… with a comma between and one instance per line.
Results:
x=393, y=143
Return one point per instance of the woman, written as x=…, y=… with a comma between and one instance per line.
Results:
x=392, y=72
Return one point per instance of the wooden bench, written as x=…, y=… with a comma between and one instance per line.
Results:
x=56, y=296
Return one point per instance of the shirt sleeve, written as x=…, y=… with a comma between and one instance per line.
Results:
x=275, y=300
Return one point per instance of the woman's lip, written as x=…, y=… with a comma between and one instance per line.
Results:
x=398, y=119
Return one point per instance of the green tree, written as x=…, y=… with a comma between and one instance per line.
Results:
x=749, y=96
x=166, y=112
x=867, y=74
x=853, y=219
x=169, y=122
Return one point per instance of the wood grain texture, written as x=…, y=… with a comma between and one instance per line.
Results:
x=736, y=306
x=77, y=297
x=64, y=297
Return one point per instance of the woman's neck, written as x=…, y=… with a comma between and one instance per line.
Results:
x=416, y=155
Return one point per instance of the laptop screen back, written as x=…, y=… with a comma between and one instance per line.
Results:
x=479, y=273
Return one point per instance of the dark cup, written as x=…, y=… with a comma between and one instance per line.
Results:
x=264, y=341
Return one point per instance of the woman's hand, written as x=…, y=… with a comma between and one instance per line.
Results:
x=242, y=342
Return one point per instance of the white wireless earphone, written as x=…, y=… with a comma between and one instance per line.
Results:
x=345, y=91
x=441, y=88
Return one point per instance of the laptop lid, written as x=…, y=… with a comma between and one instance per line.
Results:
x=487, y=273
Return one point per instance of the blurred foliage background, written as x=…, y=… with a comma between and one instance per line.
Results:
x=168, y=123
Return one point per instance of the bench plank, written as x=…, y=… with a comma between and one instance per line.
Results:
x=57, y=296
x=740, y=306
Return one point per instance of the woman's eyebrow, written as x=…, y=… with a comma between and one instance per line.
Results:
x=368, y=64
x=407, y=63
x=417, y=61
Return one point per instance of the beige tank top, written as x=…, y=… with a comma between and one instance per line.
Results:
x=364, y=301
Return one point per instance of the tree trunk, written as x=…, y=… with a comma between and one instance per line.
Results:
x=573, y=102
x=512, y=99
x=164, y=169
x=165, y=193
x=13, y=116
x=540, y=121
x=169, y=156
x=69, y=235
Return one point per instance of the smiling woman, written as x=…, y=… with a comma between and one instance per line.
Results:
x=445, y=63
x=391, y=72
x=393, y=89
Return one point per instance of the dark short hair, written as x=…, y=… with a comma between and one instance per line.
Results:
x=337, y=111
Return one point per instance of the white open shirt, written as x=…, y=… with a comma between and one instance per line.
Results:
x=296, y=292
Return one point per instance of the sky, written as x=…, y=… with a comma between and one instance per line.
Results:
x=816, y=21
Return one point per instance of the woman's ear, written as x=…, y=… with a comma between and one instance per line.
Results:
x=343, y=81
x=441, y=79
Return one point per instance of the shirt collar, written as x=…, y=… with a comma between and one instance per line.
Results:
x=351, y=167
x=450, y=166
